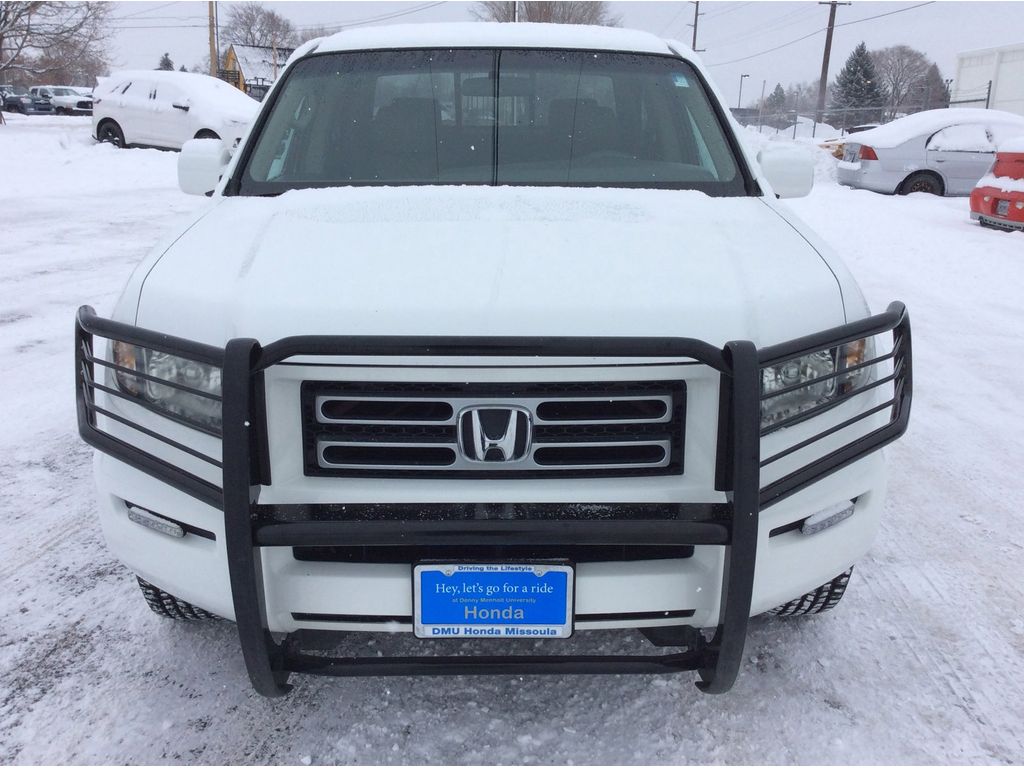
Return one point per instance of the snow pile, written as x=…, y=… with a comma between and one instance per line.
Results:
x=924, y=124
x=80, y=166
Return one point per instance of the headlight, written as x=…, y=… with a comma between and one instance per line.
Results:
x=798, y=385
x=189, y=406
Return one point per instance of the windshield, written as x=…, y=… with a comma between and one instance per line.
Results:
x=538, y=117
x=64, y=92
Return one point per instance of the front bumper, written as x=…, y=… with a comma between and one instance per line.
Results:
x=726, y=537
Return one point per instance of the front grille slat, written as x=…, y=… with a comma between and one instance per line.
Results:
x=426, y=430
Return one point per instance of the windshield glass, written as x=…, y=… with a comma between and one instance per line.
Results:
x=64, y=92
x=570, y=118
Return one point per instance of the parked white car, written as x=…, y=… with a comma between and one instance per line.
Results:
x=166, y=109
x=65, y=99
x=941, y=151
x=492, y=331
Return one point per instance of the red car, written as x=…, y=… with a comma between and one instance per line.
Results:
x=998, y=199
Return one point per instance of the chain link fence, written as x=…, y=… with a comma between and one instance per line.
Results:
x=833, y=123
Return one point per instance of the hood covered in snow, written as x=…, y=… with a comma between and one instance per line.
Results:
x=491, y=261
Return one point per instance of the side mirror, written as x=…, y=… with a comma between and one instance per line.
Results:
x=200, y=165
x=788, y=168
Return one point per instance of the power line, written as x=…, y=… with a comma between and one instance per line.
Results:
x=675, y=18
x=728, y=10
x=304, y=27
x=371, y=19
x=780, y=23
x=880, y=15
x=819, y=31
x=149, y=10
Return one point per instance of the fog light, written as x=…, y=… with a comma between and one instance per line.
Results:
x=826, y=518
x=147, y=519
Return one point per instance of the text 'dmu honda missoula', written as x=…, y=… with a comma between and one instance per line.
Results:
x=497, y=332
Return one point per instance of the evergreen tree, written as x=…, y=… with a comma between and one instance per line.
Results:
x=776, y=101
x=936, y=90
x=182, y=68
x=857, y=89
x=166, y=64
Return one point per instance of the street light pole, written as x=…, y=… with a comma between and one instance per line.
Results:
x=739, y=99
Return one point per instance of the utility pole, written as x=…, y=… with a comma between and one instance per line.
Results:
x=216, y=29
x=760, y=107
x=696, y=14
x=515, y=10
x=214, y=63
x=823, y=83
x=739, y=99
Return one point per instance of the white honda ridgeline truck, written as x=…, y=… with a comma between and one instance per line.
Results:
x=492, y=331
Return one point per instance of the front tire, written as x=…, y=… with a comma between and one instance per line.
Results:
x=922, y=181
x=206, y=134
x=170, y=607
x=819, y=600
x=110, y=132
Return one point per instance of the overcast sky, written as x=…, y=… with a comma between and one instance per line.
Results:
x=737, y=36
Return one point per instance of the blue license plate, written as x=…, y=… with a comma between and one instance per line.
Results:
x=492, y=600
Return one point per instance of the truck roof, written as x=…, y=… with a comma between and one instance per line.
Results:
x=493, y=35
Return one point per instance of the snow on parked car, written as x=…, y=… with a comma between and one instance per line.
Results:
x=998, y=199
x=940, y=151
x=166, y=109
x=65, y=99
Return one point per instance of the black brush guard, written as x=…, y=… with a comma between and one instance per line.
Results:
x=244, y=469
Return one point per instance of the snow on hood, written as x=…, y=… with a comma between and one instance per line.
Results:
x=926, y=123
x=491, y=261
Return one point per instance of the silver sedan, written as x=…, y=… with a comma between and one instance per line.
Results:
x=941, y=151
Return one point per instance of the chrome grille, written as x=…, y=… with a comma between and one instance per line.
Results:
x=423, y=429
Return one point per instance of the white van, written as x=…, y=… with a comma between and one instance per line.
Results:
x=492, y=331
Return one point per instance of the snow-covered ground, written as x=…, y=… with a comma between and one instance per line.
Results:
x=923, y=662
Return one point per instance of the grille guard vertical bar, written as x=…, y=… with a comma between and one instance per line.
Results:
x=259, y=651
x=726, y=649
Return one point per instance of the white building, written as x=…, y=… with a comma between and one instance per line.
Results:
x=1004, y=67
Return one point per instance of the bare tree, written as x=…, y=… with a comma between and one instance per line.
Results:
x=42, y=38
x=64, y=64
x=309, y=33
x=252, y=24
x=902, y=71
x=572, y=12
